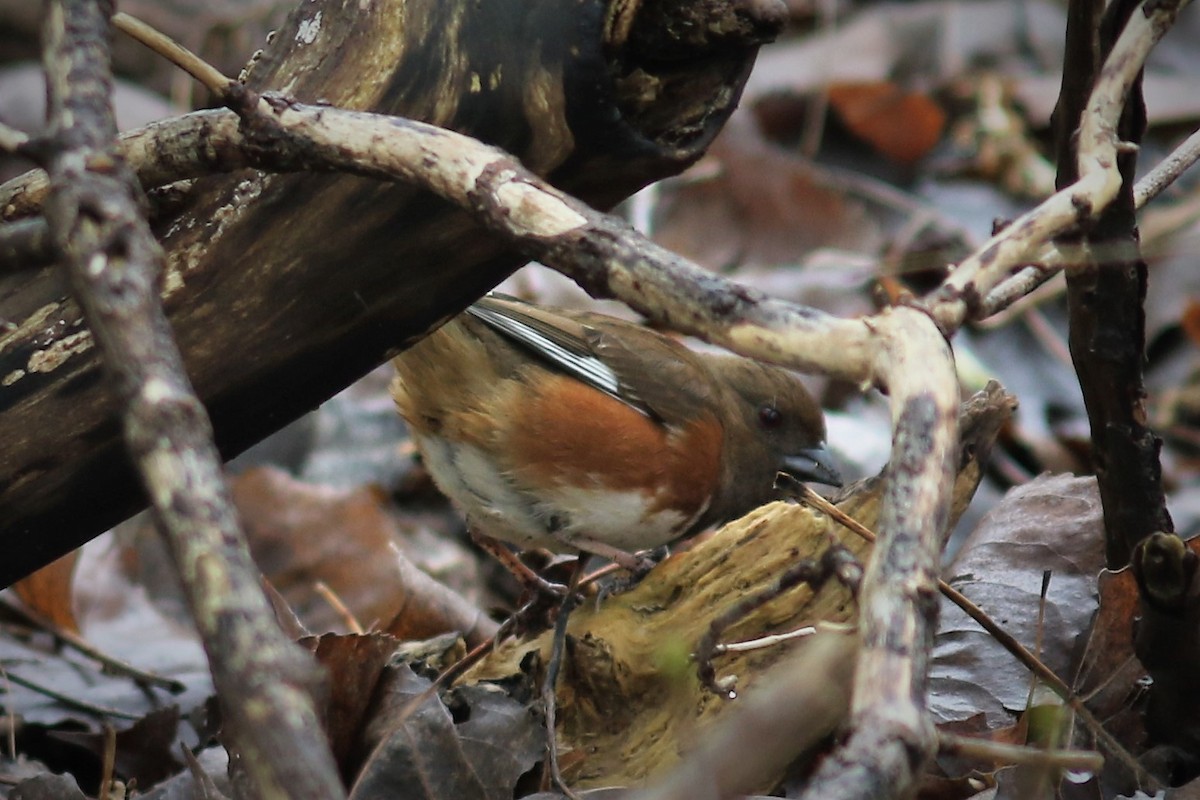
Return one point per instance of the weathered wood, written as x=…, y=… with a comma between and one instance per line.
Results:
x=282, y=289
x=630, y=704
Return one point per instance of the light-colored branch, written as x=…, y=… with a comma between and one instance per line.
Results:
x=1167, y=170
x=172, y=51
x=1015, y=288
x=961, y=295
x=1022, y=291
x=602, y=253
x=892, y=737
x=112, y=260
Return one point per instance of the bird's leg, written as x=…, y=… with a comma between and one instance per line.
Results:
x=553, y=665
x=637, y=563
x=519, y=569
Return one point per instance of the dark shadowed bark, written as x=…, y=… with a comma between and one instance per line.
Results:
x=282, y=289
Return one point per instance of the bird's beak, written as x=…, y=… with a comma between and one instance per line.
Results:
x=814, y=465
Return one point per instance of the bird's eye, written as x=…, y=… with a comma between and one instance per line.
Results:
x=769, y=417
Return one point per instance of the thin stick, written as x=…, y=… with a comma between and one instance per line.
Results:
x=68, y=701
x=174, y=52
x=110, y=663
x=108, y=764
x=1001, y=753
x=1167, y=171
x=11, y=717
x=553, y=665
x=1006, y=640
x=335, y=602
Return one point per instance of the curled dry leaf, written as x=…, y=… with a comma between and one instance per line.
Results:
x=49, y=592
x=475, y=745
x=902, y=125
x=1051, y=524
x=301, y=534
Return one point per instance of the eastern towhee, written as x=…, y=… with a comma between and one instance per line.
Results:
x=578, y=431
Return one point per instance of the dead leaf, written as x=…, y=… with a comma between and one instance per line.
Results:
x=1052, y=523
x=48, y=592
x=474, y=746
x=1110, y=674
x=902, y=125
x=301, y=534
x=353, y=664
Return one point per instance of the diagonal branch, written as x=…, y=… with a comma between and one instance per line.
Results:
x=95, y=212
x=962, y=295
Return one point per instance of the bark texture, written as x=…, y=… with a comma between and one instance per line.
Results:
x=282, y=289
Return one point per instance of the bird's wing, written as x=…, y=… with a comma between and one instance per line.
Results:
x=560, y=340
x=654, y=375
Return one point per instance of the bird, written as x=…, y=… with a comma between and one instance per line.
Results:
x=576, y=431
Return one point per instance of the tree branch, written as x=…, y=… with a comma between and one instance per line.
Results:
x=312, y=280
x=961, y=295
x=94, y=210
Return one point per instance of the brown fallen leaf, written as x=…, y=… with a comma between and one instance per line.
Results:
x=49, y=592
x=303, y=534
x=353, y=664
x=902, y=125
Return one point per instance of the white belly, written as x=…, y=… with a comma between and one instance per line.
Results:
x=499, y=507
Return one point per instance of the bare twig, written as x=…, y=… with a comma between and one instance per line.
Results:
x=112, y=258
x=10, y=718
x=110, y=663
x=836, y=561
x=172, y=51
x=67, y=700
x=1029, y=287
x=962, y=293
x=108, y=763
x=550, y=679
x=1001, y=753
x=1006, y=640
x=331, y=597
x=1022, y=288
x=1167, y=171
